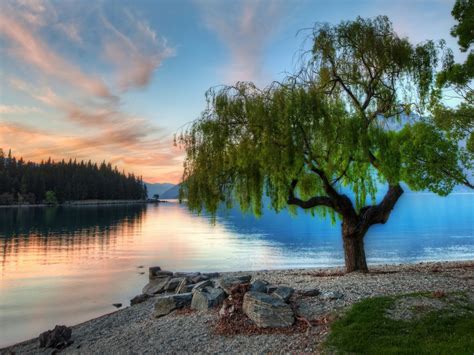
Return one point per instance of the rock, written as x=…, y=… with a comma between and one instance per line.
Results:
x=284, y=293
x=201, y=285
x=259, y=286
x=211, y=275
x=189, y=275
x=117, y=305
x=153, y=270
x=155, y=286
x=160, y=275
x=182, y=287
x=332, y=295
x=271, y=288
x=169, y=303
x=227, y=282
x=139, y=299
x=309, y=292
x=199, y=278
x=206, y=298
x=57, y=338
x=267, y=311
x=173, y=283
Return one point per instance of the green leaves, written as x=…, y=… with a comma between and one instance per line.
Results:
x=342, y=122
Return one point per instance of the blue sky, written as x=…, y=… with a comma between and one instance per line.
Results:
x=114, y=80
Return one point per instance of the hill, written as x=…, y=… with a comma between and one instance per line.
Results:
x=158, y=188
x=171, y=193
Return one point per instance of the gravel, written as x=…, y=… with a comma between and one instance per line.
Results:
x=134, y=330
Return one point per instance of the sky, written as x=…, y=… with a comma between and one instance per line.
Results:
x=115, y=80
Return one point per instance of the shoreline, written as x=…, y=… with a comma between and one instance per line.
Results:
x=134, y=329
x=86, y=203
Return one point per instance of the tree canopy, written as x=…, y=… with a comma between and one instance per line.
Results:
x=353, y=117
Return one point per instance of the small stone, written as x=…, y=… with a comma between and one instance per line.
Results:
x=58, y=338
x=139, y=299
x=267, y=311
x=117, y=305
x=160, y=274
x=155, y=286
x=259, y=286
x=166, y=304
x=309, y=292
x=206, y=298
x=284, y=293
x=332, y=295
x=271, y=288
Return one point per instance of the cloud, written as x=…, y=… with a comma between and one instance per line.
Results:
x=27, y=46
x=92, y=122
x=135, y=57
x=18, y=110
x=245, y=28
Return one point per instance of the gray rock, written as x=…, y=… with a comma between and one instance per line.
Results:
x=259, y=286
x=58, y=338
x=189, y=275
x=199, y=278
x=153, y=269
x=201, y=285
x=332, y=295
x=206, y=298
x=139, y=299
x=183, y=286
x=155, y=286
x=166, y=304
x=267, y=311
x=227, y=282
x=211, y=275
x=271, y=288
x=160, y=274
x=284, y=293
x=309, y=292
x=117, y=305
x=173, y=283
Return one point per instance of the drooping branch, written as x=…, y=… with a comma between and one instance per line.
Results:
x=381, y=212
x=310, y=203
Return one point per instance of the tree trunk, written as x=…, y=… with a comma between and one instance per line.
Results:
x=354, y=253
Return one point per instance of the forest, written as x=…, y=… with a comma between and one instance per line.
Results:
x=25, y=182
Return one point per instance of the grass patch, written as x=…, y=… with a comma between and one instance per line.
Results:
x=365, y=329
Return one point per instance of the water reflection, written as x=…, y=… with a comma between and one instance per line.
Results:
x=67, y=265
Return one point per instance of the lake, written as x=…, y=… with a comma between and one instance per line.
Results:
x=66, y=265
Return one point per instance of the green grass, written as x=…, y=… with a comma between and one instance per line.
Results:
x=366, y=330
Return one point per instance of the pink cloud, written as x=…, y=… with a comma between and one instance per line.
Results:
x=28, y=47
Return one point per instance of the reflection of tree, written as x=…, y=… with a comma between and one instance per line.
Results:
x=70, y=227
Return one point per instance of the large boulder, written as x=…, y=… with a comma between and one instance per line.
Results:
x=283, y=292
x=259, y=286
x=228, y=282
x=173, y=283
x=139, y=299
x=211, y=275
x=201, y=285
x=267, y=311
x=169, y=303
x=156, y=286
x=58, y=338
x=155, y=272
x=199, y=278
x=206, y=298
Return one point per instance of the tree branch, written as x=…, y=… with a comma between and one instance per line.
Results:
x=379, y=213
x=312, y=202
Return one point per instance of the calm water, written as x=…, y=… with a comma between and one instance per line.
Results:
x=67, y=265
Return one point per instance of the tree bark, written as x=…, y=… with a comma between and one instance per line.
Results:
x=354, y=254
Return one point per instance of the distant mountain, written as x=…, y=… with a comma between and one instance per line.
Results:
x=172, y=193
x=158, y=188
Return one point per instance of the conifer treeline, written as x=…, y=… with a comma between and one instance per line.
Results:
x=28, y=182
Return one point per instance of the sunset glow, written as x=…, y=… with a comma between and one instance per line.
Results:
x=115, y=81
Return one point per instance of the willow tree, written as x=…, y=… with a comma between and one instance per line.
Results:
x=326, y=139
